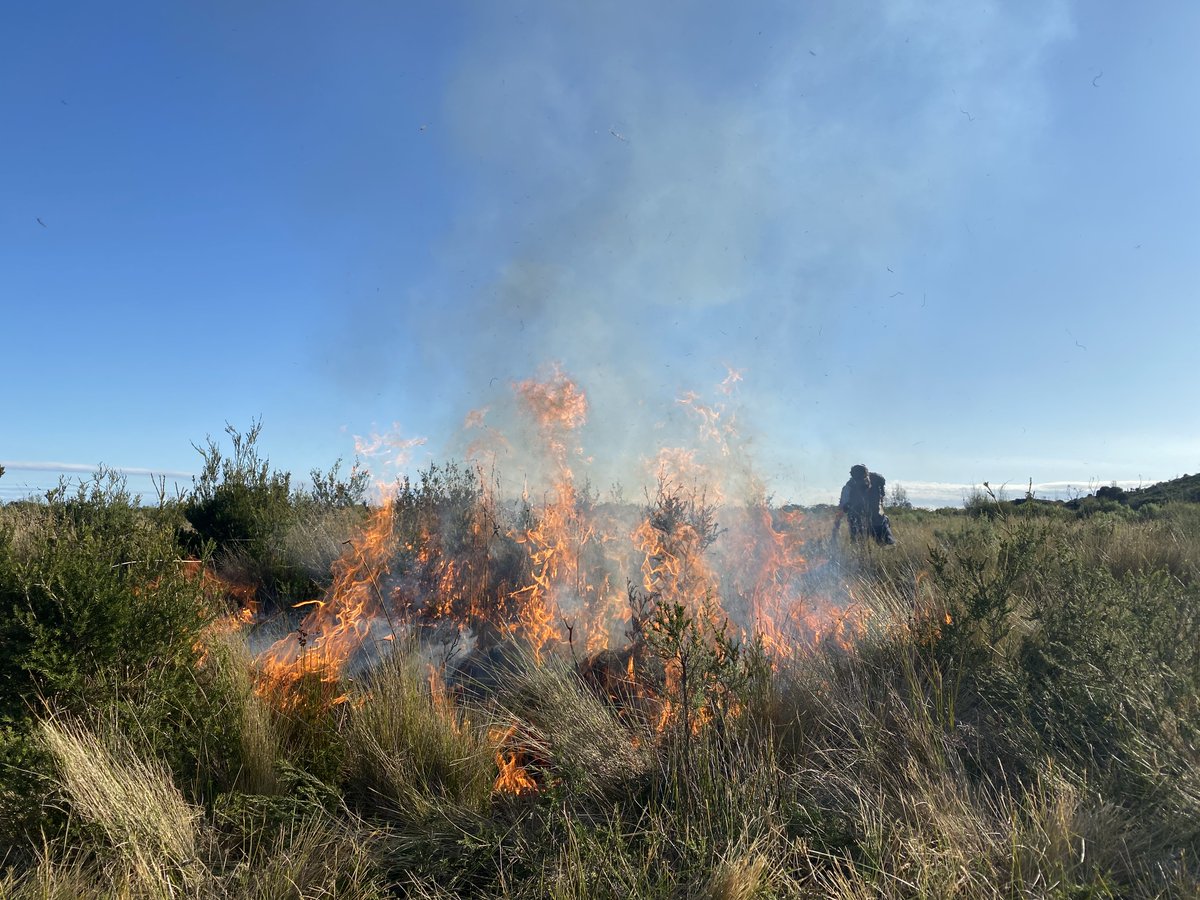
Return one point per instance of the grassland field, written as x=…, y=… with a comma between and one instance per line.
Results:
x=1014, y=714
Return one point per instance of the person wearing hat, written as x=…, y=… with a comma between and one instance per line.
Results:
x=862, y=503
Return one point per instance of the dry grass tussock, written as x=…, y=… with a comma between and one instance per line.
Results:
x=139, y=839
x=153, y=836
x=561, y=719
x=741, y=877
x=313, y=857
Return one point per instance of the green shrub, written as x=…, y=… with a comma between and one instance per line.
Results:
x=1113, y=672
x=263, y=531
x=981, y=573
x=239, y=508
x=96, y=613
x=1052, y=652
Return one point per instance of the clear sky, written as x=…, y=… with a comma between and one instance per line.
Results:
x=957, y=241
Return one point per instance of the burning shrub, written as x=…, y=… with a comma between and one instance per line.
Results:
x=703, y=672
x=457, y=559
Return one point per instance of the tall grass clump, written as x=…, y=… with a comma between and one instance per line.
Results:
x=254, y=749
x=135, y=836
x=589, y=746
x=412, y=751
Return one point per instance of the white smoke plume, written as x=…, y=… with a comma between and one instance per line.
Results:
x=659, y=191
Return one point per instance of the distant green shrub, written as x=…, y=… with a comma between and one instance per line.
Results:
x=981, y=504
x=1104, y=505
x=239, y=507
x=1149, y=511
x=897, y=498
x=331, y=491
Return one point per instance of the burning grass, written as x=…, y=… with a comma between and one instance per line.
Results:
x=556, y=695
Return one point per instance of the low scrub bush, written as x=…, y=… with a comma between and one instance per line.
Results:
x=261, y=529
x=96, y=613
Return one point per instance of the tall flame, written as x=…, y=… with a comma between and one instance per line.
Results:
x=765, y=563
x=554, y=543
x=672, y=539
x=474, y=569
x=340, y=623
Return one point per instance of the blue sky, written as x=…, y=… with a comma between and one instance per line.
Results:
x=955, y=241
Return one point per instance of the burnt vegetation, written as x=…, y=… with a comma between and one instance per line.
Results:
x=1017, y=716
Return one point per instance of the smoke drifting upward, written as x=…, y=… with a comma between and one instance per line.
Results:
x=653, y=193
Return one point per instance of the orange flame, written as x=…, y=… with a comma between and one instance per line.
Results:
x=765, y=562
x=239, y=598
x=512, y=777
x=556, y=542
x=559, y=586
x=674, y=567
x=341, y=623
x=713, y=422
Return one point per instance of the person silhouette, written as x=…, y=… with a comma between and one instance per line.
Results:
x=862, y=504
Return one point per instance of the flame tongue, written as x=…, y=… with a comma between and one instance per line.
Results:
x=555, y=542
x=340, y=624
x=678, y=529
x=765, y=562
x=511, y=777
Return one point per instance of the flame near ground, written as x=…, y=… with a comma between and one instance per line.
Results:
x=557, y=571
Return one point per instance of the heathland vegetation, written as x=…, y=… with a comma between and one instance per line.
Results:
x=1006, y=704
